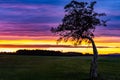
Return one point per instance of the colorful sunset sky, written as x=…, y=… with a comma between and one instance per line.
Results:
x=26, y=24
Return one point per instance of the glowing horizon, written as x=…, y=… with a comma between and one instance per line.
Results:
x=104, y=45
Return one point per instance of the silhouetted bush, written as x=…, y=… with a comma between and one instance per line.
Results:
x=44, y=53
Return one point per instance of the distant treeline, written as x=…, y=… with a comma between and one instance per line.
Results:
x=45, y=53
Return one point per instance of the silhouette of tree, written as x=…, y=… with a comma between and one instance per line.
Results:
x=78, y=24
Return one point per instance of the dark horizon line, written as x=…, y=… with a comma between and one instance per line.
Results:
x=38, y=50
x=48, y=46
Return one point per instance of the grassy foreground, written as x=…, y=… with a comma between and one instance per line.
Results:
x=56, y=68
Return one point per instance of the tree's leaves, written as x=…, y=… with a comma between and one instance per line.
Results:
x=79, y=22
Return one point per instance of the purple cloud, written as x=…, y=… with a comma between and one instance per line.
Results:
x=26, y=29
x=30, y=13
x=48, y=10
x=37, y=18
x=105, y=31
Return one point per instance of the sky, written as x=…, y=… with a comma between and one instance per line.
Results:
x=26, y=24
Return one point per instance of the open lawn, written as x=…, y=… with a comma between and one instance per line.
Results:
x=18, y=67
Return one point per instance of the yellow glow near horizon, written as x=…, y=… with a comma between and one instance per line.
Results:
x=112, y=42
x=29, y=42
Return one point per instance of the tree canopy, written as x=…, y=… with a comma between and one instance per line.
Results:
x=79, y=22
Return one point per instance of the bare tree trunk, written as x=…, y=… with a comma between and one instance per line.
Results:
x=93, y=68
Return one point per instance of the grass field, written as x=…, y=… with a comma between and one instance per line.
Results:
x=56, y=68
